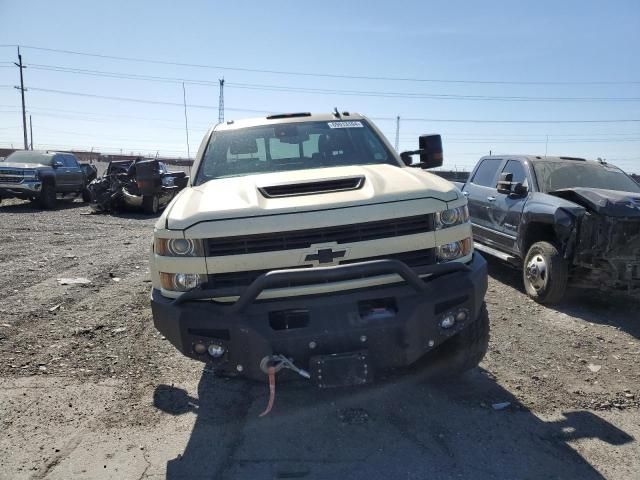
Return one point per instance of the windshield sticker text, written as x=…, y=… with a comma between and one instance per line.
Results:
x=345, y=124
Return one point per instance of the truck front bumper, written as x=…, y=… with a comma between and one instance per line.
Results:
x=24, y=189
x=387, y=326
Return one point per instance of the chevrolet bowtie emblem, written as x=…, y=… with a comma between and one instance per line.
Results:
x=325, y=255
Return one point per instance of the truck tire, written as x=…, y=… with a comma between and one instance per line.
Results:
x=463, y=352
x=47, y=198
x=150, y=204
x=86, y=195
x=545, y=273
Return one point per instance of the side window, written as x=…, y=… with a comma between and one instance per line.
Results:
x=70, y=161
x=517, y=169
x=486, y=173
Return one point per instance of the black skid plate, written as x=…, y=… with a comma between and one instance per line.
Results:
x=341, y=369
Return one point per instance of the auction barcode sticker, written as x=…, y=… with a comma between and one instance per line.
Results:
x=345, y=124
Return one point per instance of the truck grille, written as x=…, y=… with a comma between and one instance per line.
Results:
x=9, y=179
x=359, y=232
x=236, y=281
x=8, y=175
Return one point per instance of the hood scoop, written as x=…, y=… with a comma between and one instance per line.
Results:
x=312, y=188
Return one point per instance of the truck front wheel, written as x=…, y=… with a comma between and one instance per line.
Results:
x=545, y=273
x=463, y=352
x=47, y=198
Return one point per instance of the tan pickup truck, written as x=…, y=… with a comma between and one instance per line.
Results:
x=305, y=241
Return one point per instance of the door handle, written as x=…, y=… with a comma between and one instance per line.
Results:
x=466, y=194
x=491, y=198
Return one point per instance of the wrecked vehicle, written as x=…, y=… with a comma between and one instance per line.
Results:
x=140, y=184
x=304, y=245
x=44, y=177
x=563, y=220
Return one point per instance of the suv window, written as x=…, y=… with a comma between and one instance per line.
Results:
x=486, y=172
x=516, y=168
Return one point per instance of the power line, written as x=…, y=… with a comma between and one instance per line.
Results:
x=326, y=75
x=323, y=91
x=210, y=107
x=139, y=100
x=443, y=120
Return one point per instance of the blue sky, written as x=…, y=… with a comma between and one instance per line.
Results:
x=561, y=45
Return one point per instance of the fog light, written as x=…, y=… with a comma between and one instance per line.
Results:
x=461, y=316
x=186, y=281
x=454, y=250
x=199, y=348
x=216, y=350
x=448, y=321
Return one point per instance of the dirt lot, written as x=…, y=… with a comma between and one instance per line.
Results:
x=88, y=388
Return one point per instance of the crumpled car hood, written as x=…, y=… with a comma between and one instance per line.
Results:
x=611, y=203
x=240, y=197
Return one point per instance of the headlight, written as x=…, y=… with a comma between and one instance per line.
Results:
x=452, y=217
x=180, y=282
x=30, y=174
x=454, y=250
x=179, y=247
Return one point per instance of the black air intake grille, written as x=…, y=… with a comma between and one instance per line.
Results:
x=312, y=188
x=359, y=232
x=240, y=280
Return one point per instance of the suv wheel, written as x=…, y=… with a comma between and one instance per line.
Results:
x=463, y=352
x=47, y=199
x=545, y=273
x=150, y=204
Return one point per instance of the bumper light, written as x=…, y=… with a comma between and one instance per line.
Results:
x=454, y=250
x=215, y=350
x=452, y=318
x=448, y=321
x=180, y=282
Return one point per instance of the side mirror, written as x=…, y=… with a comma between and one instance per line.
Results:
x=519, y=189
x=507, y=186
x=430, y=152
x=504, y=183
x=57, y=164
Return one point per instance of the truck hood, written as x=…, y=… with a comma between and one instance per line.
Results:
x=244, y=197
x=22, y=165
x=611, y=203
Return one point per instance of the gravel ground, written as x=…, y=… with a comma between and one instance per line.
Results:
x=88, y=388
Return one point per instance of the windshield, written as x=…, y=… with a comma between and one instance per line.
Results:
x=558, y=175
x=291, y=146
x=30, y=157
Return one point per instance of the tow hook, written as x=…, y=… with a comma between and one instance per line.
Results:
x=272, y=364
x=278, y=362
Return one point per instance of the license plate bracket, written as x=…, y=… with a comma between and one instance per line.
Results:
x=341, y=369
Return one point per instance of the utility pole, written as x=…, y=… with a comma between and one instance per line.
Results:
x=546, y=146
x=397, y=132
x=21, y=88
x=221, y=102
x=31, y=131
x=186, y=122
